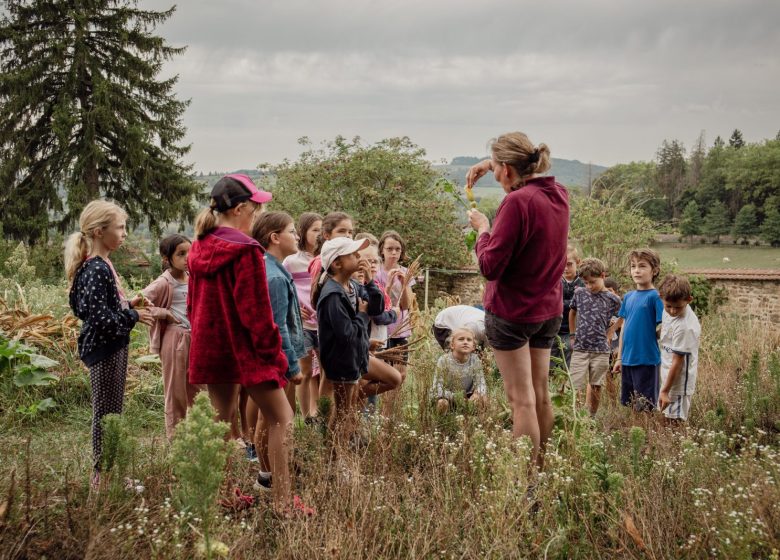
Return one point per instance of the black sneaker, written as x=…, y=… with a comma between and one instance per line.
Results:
x=263, y=483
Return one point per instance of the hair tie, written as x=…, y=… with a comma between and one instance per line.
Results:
x=534, y=157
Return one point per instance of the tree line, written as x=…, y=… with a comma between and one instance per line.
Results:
x=727, y=188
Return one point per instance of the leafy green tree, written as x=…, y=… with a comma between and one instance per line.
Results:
x=716, y=222
x=609, y=230
x=770, y=228
x=690, y=223
x=746, y=222
x=387, y=185
x=736, y=140
x=84, y=114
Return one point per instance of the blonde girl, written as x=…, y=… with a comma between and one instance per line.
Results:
x=107, y=316
x=170, y=334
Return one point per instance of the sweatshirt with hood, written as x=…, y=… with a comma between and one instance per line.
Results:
x=234, y=338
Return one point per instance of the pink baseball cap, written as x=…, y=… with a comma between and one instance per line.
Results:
x=234, y=188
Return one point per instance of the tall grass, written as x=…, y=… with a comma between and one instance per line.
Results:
x=431, y=486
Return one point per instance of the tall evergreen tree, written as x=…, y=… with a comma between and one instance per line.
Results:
x=770, y=229
x=83, y=114
x=746, y=222
x=671, y=174
x=736, y=140
x=690, y=222
x=716, y=222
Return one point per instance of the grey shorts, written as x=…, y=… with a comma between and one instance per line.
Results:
x=506, y=335
x=311, y=341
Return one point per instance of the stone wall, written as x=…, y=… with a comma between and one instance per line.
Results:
x=464, y=284
x=758, y=300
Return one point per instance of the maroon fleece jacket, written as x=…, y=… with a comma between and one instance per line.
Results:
x=234, y=338
x=524, y=255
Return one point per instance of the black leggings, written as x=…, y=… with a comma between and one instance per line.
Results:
x=107, y=378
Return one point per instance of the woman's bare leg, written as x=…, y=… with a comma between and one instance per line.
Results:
x=515, y=368
x=540, y=371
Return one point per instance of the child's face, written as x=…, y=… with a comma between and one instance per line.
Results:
x=675, y=308
x=462, y=342
x=178, y=260
x=112, y=236
x=594, y=283
x=311, y=235
x=614, y=291
x=371, y=254
x=288, y=240
x=391, y=251
x=570, y=271
x=641, y=272
x=342, y=229
x=347, y=264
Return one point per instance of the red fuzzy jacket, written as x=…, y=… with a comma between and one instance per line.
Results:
x=234, y=338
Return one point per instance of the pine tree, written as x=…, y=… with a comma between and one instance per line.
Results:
x=83, y=115
x=746, y=222
x=770, y=229
x=716, y=222
x=690, y=222
x=736, y=140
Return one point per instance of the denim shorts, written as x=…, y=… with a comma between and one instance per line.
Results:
x=506, y=335
x=311, y=341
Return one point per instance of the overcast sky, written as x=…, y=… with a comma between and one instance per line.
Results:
x=604, y=81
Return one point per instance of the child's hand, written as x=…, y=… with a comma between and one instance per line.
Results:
x=362, y=306
x=306, y=313
x=394, y=274
x=374, y=344
x=140, y=300
x=364, y=268
x=171, y=318
x=145, y=316
x=297, y=378
x=616, y=367
x=664, y=400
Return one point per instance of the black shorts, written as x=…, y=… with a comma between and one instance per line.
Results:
x=506, y=335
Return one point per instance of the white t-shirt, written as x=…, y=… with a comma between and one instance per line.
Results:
x=463, y=316
x=179, y=303
x=680, y=335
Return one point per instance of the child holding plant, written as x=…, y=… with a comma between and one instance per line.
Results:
x=392, y=251
x=591, y=310
x=96, y=298
x=275, y=231
x=170, y=334
x=459, y=371
x=309, y=228
x=638, y=355
x=680, y=332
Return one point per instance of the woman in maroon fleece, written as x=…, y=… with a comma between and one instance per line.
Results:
x=522, y=258
x=234, y=339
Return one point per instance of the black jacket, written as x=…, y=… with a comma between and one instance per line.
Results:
x=343, y=333
x=95, y=300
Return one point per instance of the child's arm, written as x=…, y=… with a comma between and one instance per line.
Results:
x=572, y=323
x=480, y=386
x=278, y=291
x=437, y=388
x=386, y=317
x=375, y=298
x=678, y=360
x=102, y=315
x=613, y=328
x=153, y=292
x=616, y=368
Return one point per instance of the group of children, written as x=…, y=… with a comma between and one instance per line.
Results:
x=651, y=336
x=262, y=311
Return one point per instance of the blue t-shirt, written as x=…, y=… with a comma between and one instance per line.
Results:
x=641, y=311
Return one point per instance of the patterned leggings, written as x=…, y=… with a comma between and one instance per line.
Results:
x=107, y=378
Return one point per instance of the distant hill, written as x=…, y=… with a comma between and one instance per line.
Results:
x=572, y=173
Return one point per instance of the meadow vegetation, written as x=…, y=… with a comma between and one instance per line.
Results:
x=426, y=486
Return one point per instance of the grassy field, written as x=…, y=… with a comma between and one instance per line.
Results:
x=711, y=256
x=426, y=486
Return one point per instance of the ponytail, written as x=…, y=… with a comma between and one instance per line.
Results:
x=98, y=214
x=205, y=222
x=77, y=248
